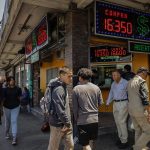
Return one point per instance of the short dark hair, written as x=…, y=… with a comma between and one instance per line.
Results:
x=10, y=78
x=64, y=70
x=85, y=73
x=127, y=67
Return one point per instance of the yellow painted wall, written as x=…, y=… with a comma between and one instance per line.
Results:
x=56, y=63
x=140, y=60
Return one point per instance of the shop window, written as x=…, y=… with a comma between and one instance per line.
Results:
x=50, y=74
x=53, y=30
x=56, y=28
x=103, y=74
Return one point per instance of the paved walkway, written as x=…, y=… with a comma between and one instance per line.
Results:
x=31, y=138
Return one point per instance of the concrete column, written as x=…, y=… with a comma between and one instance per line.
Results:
x=76, y=52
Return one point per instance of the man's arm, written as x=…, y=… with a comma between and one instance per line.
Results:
x=100, y=98
x=75, y=105
x=110, y=97
x=58, y=96
x=144, y=94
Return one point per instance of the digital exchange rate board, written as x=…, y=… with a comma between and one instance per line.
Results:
x=114, y=20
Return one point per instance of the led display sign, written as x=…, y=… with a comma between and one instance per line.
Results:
x=108, y=53
x=113, y=20
x=42, y=33
x=38, y=38
x=139, y=47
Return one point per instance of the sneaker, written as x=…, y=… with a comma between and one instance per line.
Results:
x=75, y=140
x=118, y=143
x=7, y=136
x=14, y=141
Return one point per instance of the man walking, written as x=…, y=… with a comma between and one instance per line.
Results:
x=118, y=94
x=139, y=108
x=86, y=99
x=60, y=120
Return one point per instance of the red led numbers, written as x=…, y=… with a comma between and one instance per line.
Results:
x=118, y=52
x=118, y=26
x=42, y=35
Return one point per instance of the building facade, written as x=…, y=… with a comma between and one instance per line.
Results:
x=95, y=34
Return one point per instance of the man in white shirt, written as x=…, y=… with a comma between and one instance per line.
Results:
x=118, y=94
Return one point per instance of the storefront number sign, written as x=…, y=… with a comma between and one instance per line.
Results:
x=38, y=38
x=109, y=53
x=113, y=20
x=139, y=47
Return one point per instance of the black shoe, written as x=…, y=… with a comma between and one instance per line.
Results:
x=123, y=145
x=118, y=142
x=131, y=148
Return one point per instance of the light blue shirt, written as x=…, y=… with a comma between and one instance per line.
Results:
x=118, y=91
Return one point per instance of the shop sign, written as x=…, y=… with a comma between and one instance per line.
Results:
x=37, y=39
x=35, y=57
x=139, y=47
x=121, y=22
x=109, y=53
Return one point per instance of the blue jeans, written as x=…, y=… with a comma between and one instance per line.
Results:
x=11, y=118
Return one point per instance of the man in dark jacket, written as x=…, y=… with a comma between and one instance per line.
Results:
x=128, y=74
x=60, y=119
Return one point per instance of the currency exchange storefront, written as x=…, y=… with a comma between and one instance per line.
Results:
x=121, y=36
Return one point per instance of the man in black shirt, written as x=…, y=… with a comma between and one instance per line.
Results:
x=11, y=108
x=128, y=74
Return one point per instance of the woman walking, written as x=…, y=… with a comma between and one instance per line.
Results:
x=11, y=108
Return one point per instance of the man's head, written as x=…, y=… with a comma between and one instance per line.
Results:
x=127, y=68
x=116, y=75
x=143, y=72
x=84, y=74
x=11, y=81
x=65, y=75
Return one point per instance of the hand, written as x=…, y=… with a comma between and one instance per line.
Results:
x=147, y=108
x=107, y=104
x=148, y=118
x=147, y=115
x=65, y=129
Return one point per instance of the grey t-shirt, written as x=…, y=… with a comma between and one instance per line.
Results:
x=86, y=99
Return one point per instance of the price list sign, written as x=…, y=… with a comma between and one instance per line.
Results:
x=109, y=53
x=122, y=22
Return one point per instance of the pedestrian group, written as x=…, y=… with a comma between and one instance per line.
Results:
x=129, y=94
